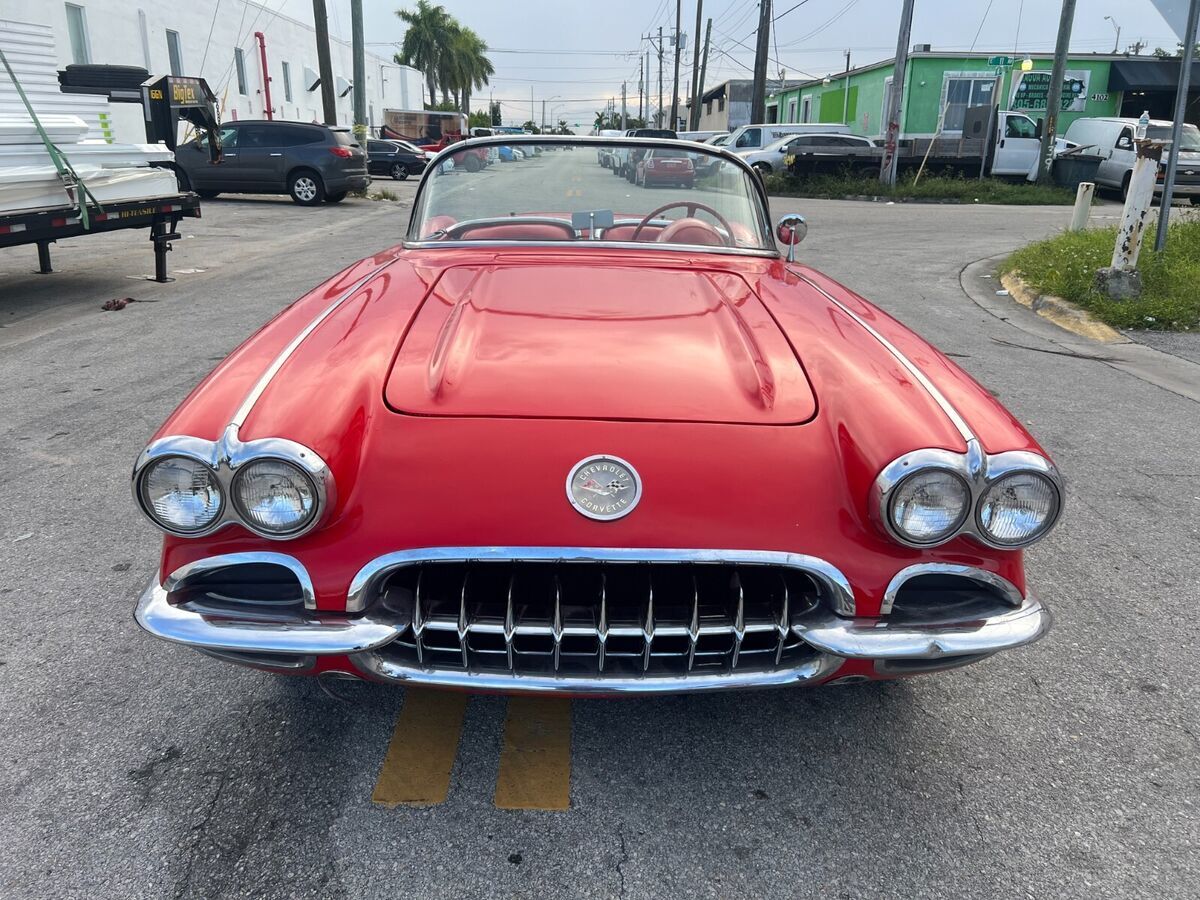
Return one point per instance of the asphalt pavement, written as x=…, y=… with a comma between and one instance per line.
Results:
x=131, y=768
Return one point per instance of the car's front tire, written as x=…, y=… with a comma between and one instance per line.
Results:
x=762, y=168
x=399, y=172
x=306, y=188
x=472, y=164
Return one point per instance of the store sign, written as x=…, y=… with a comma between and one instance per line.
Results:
x=1031, y=89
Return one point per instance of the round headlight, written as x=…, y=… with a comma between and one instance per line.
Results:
x=929, y=507
x=275, y=496
x=1018, y=509
x=181, y=494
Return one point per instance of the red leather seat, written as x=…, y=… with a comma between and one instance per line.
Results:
x=625, y=233
x=691, y=231
x=518, y=232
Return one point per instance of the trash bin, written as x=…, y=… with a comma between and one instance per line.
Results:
x=1069, y=170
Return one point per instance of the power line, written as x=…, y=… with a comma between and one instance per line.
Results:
x=979, y=30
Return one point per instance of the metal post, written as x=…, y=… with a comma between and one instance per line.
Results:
x=641, y=86
x=1054, y=92
x=846, y=91
x=699, y=95
x=1185, y=74
x=693, y=110
x=324, y=65
x=758, y=95
x=1083, y=206
x=359, y=49
x=660, y=54
x=895, y=106
x=675, y=88
x=543, y=128
x=266, y=74
x=1121, y=280
x=624, y=115
x=43, y=249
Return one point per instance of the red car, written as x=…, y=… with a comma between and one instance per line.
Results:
x=564, y=438
x=669, y=166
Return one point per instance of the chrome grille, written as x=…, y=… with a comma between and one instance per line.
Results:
x=589, y=617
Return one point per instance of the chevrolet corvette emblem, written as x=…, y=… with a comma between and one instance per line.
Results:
x=604, y=487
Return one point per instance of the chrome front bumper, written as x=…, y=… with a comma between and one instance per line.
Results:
x=300, y=636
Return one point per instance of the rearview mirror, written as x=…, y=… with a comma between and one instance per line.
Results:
x=1040, y=124
x=792, y=229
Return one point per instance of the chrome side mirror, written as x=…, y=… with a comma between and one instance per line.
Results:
x=792, y=229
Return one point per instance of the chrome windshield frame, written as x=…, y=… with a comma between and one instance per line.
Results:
x=762, y=207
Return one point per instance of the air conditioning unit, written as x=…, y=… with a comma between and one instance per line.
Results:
x=312, y=80
x=922, y=48
x=343, y=86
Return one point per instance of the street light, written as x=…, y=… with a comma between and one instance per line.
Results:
x=555, y=97
x=1117, y=42
x=1027, y=64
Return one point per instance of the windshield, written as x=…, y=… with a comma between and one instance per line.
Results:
x=1189, y=139
x=663, y=192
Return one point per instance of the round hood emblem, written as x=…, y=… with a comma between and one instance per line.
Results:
x=604, y=487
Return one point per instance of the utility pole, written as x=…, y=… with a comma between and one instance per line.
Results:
x=328, y=100
x=624, y=114
x=699, y=101
x=641, y=86
x=360, y=70
x=758, y=96
x=532, y=119
x=543, y=126
x=675, y=89
x=846, y=91
x=693, y=115
x=1181, y=99
x=895, y=100
x=660, y=54
x=1054, y=92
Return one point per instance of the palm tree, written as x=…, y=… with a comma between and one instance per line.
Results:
x=425, y=42
x=473, y=67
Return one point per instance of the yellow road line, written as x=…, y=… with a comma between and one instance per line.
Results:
x=416, y=770
x=535, y=764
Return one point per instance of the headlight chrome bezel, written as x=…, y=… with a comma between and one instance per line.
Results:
x=226, y=458
x=980, y=472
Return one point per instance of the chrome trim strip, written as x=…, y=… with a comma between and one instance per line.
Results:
x=939, y=398
x=881, y=639
x=358, y=597
x=239, y=417
x=179, y=577
x=598, y=246
x=979, y=471
x=1003, y=585
x=815, y=669
x=315, y=636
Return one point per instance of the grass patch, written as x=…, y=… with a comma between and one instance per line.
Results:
x=383, y=194
x=946, y=187
x=1065, y=266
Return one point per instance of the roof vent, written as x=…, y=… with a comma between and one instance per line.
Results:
x=922, y=48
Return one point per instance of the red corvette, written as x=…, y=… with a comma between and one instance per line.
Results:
x=571, y=437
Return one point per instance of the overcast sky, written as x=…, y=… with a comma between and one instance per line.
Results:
x=575, y=53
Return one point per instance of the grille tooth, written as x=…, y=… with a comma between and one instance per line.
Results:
x=644, y=618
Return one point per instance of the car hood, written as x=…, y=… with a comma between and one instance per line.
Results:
x=603, y=342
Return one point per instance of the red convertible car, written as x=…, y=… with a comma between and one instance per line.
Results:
x=570, y=436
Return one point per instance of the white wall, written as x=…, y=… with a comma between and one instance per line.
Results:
x=115, y=36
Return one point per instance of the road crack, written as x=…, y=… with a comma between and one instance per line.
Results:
x=624, y=859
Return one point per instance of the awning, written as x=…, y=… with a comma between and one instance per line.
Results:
x=1149, y=75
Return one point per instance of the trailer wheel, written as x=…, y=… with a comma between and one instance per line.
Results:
x=306, y=188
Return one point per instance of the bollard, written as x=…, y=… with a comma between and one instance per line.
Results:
x=1121, y=280
x=1083, y=206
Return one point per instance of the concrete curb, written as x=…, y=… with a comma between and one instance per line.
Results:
x=1171, y=373
x=1062, y=313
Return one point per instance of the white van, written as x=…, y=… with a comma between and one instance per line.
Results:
x=755, y=137
x=1112, y=140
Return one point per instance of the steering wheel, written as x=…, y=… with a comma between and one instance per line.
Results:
x=691, y=206
x=457, y=230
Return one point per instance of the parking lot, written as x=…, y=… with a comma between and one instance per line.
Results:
x=135, y=769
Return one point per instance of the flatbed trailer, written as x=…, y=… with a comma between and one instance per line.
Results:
x=43, y=227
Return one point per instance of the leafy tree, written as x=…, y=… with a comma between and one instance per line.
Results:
x=424, y=41
x=531, y=127
x=479, y=119
x=452, y=56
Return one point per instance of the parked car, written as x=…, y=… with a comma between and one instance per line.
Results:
x=399, y=159
x=669, y=166
x=1112, y=140
x=772, y=158
x=626, y=158
x=755, y=137
x=311, y=163
x=700, y=137
x=604, y=154
x=718, y=140
x=410, y=476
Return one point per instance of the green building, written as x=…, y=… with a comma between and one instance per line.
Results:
x=941, y=86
